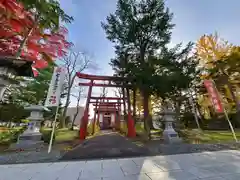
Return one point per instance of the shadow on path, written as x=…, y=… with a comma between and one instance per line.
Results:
x=107, y=145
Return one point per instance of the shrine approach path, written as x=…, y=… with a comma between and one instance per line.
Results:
x=106, y=145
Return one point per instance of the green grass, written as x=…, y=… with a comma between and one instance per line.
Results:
x=207, y=136
x=63, y=134
x=9, y=135
x=5, y=138
x=66, y=135
x=221, y=135
x=139, y=128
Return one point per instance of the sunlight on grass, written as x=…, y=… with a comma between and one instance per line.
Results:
x=139, y=127
x=208, y=136
x=63, y=134
x=221, y=135
x=66, y=135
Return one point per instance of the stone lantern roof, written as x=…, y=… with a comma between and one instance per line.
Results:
x=20, y=67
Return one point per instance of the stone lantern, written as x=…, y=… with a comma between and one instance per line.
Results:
x=12, y=66
x=169, y=134
x=31, y=137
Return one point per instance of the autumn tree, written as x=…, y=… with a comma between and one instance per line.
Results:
x=24, y=36
x=220, y=60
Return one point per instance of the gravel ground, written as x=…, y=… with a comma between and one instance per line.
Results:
x=116, y=146
x=111, y=145
x=106, y=146
x=29, y=157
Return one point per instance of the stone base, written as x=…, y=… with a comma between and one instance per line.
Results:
x=28, y=141
x=171, y=137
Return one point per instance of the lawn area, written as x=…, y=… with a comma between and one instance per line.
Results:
x=196, y=136
x=63, y=134
x=7, y=136
x=222, y=135
x=66, y=135
x=64, y=139
x=207, y=136
x=140, y=128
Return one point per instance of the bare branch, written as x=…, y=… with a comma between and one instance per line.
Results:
x=74, y=62
x=78, y=105
x=118, y=92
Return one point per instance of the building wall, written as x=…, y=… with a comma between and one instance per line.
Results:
x=71, y=111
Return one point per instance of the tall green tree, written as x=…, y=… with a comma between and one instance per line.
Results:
x=177, y=70
x=139, y=29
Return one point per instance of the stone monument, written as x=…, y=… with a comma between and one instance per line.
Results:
x=31, y=137
x=169, y=134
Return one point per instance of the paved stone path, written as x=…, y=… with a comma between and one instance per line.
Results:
x=107, y=145
x=221, y=165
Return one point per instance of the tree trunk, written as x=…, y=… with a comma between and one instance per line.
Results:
x=235, y=99
x=63, y=118
x=72, y=125
x=74, y=119
x=192, y=104
x=128, y=100
x=124, y=103
x=19, y=51
x=148, y=124
x=134, y=105
x=150, y=109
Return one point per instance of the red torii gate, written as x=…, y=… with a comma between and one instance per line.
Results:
x=115, y=105
x=121, y=82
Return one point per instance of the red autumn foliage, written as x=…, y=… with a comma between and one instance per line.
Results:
x=40, y=46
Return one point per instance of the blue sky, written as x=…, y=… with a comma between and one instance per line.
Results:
x=193, y=18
